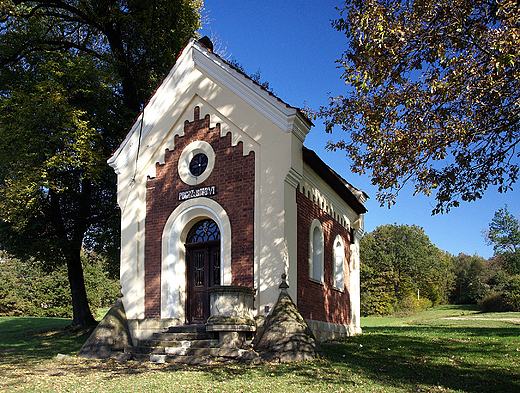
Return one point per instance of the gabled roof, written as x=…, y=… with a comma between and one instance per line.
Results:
x=345, y=190
x=199, y=55
x=196, y=55
x=206, y=42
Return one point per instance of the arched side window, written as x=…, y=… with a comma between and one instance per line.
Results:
x=316, y=251
x=339, y=263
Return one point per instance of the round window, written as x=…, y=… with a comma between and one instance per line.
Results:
x=198, y=164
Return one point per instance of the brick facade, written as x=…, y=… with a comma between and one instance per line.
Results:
x=321, y=301
x=234, y=179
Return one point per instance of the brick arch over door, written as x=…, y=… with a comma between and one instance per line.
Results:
x=173, y=267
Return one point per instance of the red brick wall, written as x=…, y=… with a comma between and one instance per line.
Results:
x=321, y=302
x=234, y=177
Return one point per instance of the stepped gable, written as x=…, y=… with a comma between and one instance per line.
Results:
x=286, y=336
x=110, y=337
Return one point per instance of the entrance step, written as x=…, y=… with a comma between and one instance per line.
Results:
x=189, y=344
x=152, y=346
x=180, y=336
x=192, y=360
x=187, y=329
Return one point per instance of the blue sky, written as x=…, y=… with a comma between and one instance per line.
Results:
x=294, y=47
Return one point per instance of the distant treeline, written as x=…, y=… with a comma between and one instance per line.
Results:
x=403, y=272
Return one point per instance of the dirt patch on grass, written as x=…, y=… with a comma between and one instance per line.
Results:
x=455, y=340
x=516, y=321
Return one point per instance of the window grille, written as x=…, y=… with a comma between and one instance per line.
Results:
x=204, y=231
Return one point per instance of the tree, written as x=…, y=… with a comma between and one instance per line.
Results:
x=256, y=77
x=471, y=273
x=399, y=260
x=504, y=232
x=74, y=75
x=504, y=235
x=31, y=287
x=512, y=293
x=434, y=98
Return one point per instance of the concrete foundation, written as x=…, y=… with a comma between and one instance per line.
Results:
x=143, y=329
x=325, y=331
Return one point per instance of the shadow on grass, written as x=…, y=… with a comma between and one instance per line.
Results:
x=32, y=339
x=466, y=359
x=413, y=358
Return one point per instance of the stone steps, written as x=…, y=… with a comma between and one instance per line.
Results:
x=205, y=356
x=167, y=336
x=163, y=346
x=187, y=329
x=192, y=360
x=189, y=344
x=197, y=343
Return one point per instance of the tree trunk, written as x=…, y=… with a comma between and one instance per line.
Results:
x=397, y=284
x=71, y=248
x=81, y=314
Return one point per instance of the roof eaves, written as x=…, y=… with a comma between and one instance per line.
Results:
x=139, y=117
x=345, y=190
x=300, y=113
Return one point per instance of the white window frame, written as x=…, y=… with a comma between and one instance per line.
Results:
x=187, y=154
x=339, y=263
x=316, y=252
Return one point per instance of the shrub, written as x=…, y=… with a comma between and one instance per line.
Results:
x=27, y=288
x=101, y=289
x=13, y=301
x=493, y=302
x=30, y=288
x=410, y=305
x=512, y=293
x=507, y=300
x=377, y=303
x=50, y=292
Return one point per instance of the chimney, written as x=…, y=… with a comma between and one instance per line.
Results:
x=207, y=43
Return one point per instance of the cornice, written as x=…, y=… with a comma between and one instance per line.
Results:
x=315, y=181
x=277, y=112
x=293, y=178
x=300, y=128
x=158, y=104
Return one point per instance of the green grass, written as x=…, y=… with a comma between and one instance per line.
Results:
x=100, y=313
x=446, y=349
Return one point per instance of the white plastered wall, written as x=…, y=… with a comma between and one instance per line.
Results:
x=355, y=291
x=265, y=125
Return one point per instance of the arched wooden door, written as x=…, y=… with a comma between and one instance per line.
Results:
x=203, y=268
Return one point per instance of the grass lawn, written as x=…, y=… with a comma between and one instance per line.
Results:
x=446, y=349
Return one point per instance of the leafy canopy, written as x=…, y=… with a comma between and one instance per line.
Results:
x=470, y=278
x=73, y=76
x=434, y=96
x=398, y=260
x=48, y=142
x=504, y=235
x=138, y=40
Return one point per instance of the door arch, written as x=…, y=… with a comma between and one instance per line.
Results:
x=173, y=269
x=202, y=267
